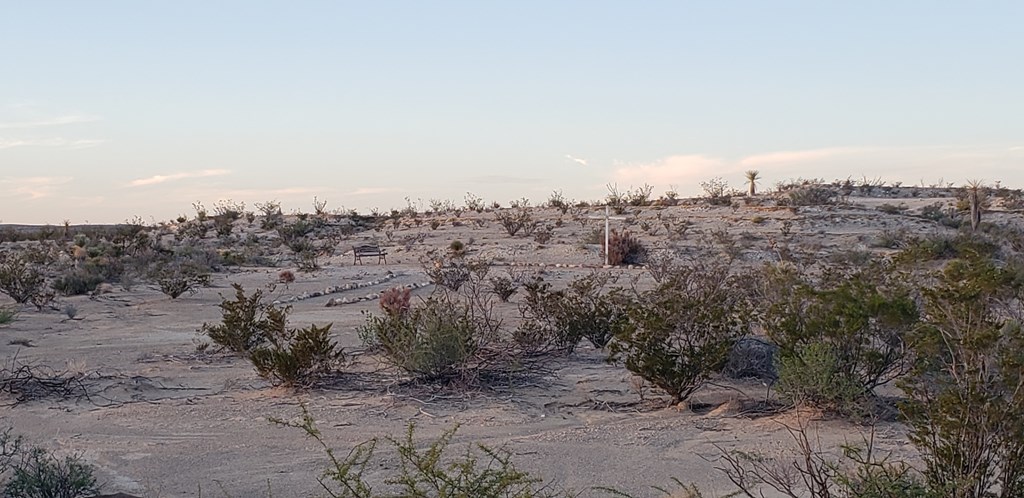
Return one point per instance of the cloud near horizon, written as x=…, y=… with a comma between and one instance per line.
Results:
x=158, y=179
x=374, y=190
x=34, y=187
x=7, y=143
x=576, y=159
x=798, y=156
x=57, y=121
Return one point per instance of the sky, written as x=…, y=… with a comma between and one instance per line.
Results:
x=116, y=109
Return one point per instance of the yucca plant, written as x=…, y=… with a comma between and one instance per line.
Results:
x=752, y=177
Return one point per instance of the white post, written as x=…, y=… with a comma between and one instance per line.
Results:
x=607, y=230
x=607, y=217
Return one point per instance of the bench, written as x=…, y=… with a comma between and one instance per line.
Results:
x=368, y=249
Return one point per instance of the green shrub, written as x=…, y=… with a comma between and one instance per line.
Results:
x=20, y=280
x=7, y=315
x=812, y=375
x=680, y=333
x=848, y=327
x=32, y=472
x=480, y=472
x=965, y=405
x=297, y=357
x=556, y=321
x=76, y=283
x=177, y=277
x=437, y=339
x=246, y=322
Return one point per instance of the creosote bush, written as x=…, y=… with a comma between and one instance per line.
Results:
x=515, y=219
x=839, y=335
x=556, y=321
x=20, y=280
x=681, y=332
x=33, y=472
x=479, y=472
x=259, y=331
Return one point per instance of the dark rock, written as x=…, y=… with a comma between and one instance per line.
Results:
x=752, y=357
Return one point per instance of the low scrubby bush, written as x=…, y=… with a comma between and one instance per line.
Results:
x=681, y=332
x=246, y=322
x=33, y=472
x=479, y=472
x=624, y=248
x=20, y=280
x=556, y=321
x=297, y=357
x=840, y=330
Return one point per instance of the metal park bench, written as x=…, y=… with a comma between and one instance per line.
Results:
x=369, y=250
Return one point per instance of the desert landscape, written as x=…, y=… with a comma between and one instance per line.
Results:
x=102, y=364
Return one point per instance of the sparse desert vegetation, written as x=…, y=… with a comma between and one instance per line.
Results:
x=816, y=339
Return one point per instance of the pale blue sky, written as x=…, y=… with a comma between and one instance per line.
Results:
x=112, y=109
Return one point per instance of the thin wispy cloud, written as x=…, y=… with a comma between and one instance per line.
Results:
x=501, y=179
x=10, y=143
x=671, y=170
x=797, y=156
x=34, y=187
x=41, y=123
x=158, y=179
x=576, y=159
x=374, y=190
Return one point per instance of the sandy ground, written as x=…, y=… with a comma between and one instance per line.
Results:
x=164, y=421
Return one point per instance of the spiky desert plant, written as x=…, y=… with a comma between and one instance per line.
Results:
x=752, y=177
x=975, y=194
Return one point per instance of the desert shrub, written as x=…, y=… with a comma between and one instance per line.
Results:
x=808, y=470
x=175, y=278
x=661, y=264
x=944, y=247
x=624, y=248
x=810, y=195
x=32, y=472
x=272, y=216
x=396, y=301
x=813, y=375
x=845, y=328
x=716, y=191
x=965, y=405
x=457, y=248
x=246, y=322
x=7, y=315
x=40, y=474
x=76, y=282
x=641, y=196
x=437, y=339
x=515, y=218
x=504, y=286
x=543, y=234
x=296, y=357
x=556, y=321
x=454, y=271
x=752, y=357
x=424, y=471
x=679, y=333
x=557, y=200
x=20, y=280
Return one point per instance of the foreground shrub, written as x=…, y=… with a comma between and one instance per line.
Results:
x=177, y=277
x=76, y=283
x=965, y=402
x=839, y=336
x=7, y=315
x=680, y=333
x=480, y=472
x=33, y=472
x=297, y=357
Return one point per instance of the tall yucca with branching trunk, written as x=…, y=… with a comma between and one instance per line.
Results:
x=752, y=177
x=975, y=196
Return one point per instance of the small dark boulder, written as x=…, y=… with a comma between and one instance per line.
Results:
x=752, y=357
